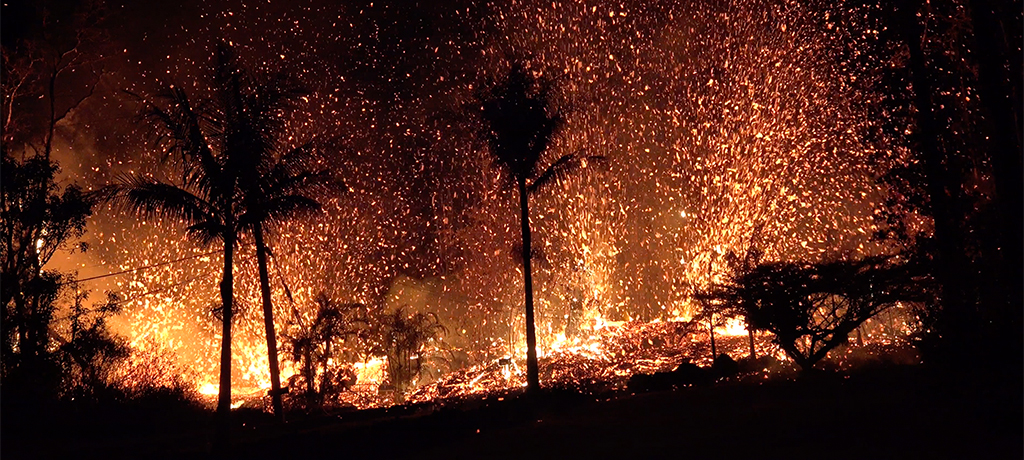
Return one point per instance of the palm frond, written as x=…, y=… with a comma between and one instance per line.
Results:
x=277, y=94
x=296, y=159
x=285, y=185
x=301, y=169
x=307, y=183
x=520, y=122
x=152, y=198
x=279, y=196
x=289, y=206
x=185, y=132
x=105, y=194
x=206, y=232
x=563, y=168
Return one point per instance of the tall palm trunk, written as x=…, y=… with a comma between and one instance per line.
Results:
x=268, y=321
x=711, y=331
x=949, y=262
x=532, y=371
x=997, y=88
x=309, y=372
x=750, y=334
x=223, y=437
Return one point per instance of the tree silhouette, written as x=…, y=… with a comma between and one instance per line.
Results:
x=37, y=218
x=336, y=330
x=715, y=313
x=275, y=187
x=960, y=167
x=212, y=141
x=46, y=75
x=519, y=125
x=402, y=338
x=812, y=308
x=50, y=72
x=90, y=352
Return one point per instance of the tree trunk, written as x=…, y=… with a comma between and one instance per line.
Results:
x=1000, y=97
x=996, y=88
x=949, y=265
x=223, y=435
x=711, y=330
x=750, y=334
x=268, y=322
x=51, y=92
x=310, y=373
x=794, y=353
x=532, y=370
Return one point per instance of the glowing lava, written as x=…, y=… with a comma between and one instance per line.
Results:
x=727, y=125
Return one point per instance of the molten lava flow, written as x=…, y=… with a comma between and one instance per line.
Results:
x=733, y=327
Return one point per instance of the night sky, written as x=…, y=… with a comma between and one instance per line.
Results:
x=726, y=125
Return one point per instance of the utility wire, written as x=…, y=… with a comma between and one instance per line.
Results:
x=169, y=286
x=158, y=290
x=122, y=272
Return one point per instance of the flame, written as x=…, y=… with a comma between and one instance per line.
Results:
x=733, y=327
x=209, y=389
x=371, y=372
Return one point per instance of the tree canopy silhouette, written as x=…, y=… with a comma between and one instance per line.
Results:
x=213, y=141
x=519, y=124
x=37, y=218
x=278, y=183
x=812, y=308
x=960, y=169
x=337, y=330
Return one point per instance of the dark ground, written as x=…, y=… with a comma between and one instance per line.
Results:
x=900, y=413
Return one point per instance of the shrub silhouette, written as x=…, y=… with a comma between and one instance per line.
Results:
x=812, y=308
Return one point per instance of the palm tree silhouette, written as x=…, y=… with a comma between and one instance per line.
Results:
x=519, y=124
x=219, y=142
x=277, y=188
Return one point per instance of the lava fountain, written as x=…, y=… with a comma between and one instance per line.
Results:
x=726, y=125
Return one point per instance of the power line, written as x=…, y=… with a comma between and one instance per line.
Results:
x=122, y=272
x=156, y=291
x=163, y=288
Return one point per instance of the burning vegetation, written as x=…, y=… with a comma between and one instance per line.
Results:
x=318, y=211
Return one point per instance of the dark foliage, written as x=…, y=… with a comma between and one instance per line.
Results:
x=213, y=141
x=725, y=366
x=338, y=334
x=327, y=347
x=55, y=347
x=950, y=111
x=402, y=339
x=37, y=218
x=91, y=353
x=812, y=308
x=684, y=375
x=277, y=182
x=714, y=313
